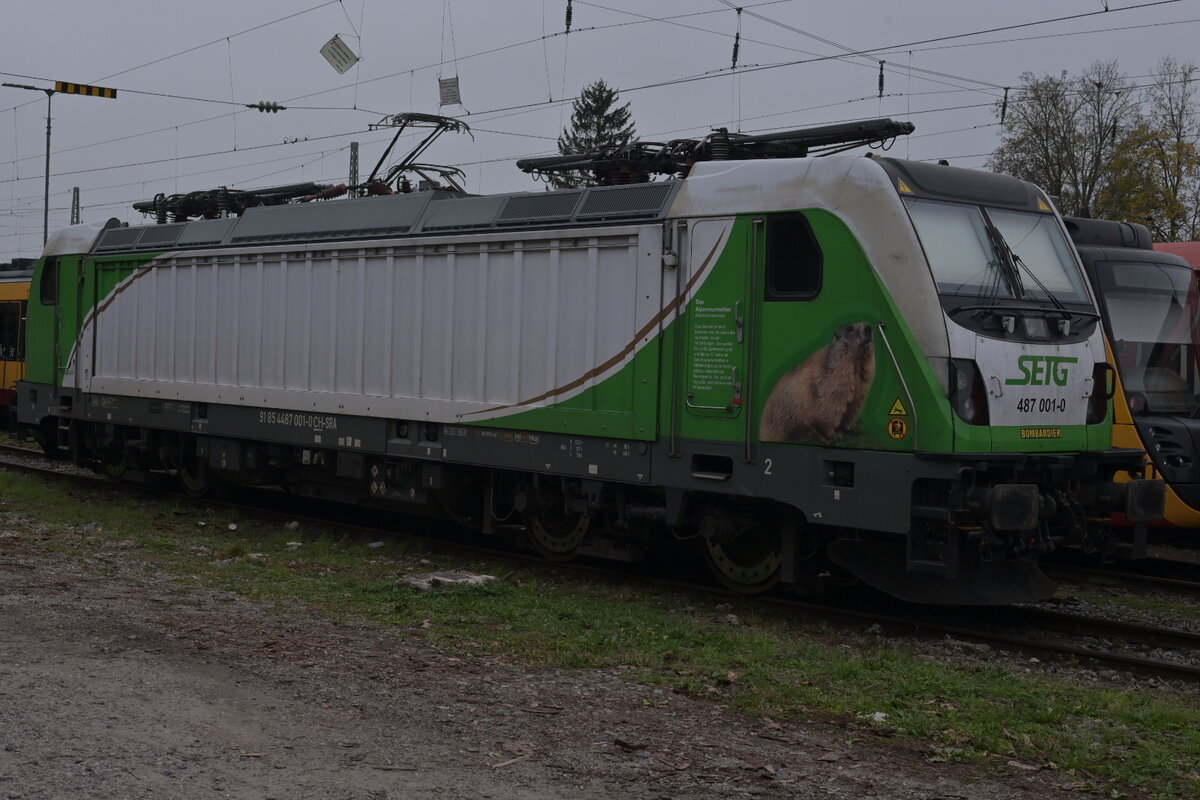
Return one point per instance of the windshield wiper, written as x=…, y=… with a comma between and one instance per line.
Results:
x=1049, y=295
x=1017, y=263
x=1007, y=264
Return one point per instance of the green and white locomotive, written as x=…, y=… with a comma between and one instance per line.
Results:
x=811, y=366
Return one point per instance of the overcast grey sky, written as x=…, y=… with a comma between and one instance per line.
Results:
x=183, y=72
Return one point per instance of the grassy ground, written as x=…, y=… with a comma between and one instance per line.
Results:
x=1114, y=741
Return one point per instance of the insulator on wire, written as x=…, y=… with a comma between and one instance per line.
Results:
x=881, y=63
x=570, y=13
x=1004, y=106
x=267, y=106
x=737, y=39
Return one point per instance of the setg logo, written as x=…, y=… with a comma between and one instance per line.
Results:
x=1042, y=370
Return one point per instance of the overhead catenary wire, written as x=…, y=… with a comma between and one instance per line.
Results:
x=669, y=20
x=642, y=19
x=849, y=52
x=358, y=132
x=494, y=112
x=545, y=56
x=362, y=13
x=30, y=200
x=232, y=94
x=870, y=50
x=195, y=48
x=737, y=39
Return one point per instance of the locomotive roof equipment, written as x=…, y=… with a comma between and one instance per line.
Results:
x=641, y=160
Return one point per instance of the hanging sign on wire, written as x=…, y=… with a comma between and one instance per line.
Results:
x=339, y=55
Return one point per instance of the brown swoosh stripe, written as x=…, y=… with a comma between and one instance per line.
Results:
x=649, y=326
x=142, y=271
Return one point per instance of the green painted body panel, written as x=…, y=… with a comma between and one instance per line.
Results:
x=83, y=283
x=40, y=329
x=853, y=293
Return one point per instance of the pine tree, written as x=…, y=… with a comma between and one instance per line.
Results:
x=596, y=125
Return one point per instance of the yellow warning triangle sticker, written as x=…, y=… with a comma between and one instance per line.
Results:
x=898, y=409
x=1042, y=205
x=903, y=187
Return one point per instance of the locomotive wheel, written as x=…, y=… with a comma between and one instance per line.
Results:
x=114, y=464
x=553, y=531
x=749, y=564
x=193, y=476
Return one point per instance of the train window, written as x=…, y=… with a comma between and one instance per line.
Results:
x=794, y=262
x=11, y=338
x=48, y=291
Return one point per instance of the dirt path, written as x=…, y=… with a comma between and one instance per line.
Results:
x=116, y=687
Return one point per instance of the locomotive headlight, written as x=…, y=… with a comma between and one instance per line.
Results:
x=968, y=395
x=1137, y=403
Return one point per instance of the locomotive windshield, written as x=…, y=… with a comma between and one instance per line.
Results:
x=993, y=253
x=1152, y=311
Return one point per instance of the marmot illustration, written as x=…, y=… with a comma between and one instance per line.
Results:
x=822, y=397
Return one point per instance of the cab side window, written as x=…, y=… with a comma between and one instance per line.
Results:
x=794, y=262
x=48, y=290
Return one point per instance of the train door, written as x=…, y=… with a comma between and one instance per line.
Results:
x=825, y=372
x=716, y=329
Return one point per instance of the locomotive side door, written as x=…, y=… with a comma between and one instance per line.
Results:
x=717, y=328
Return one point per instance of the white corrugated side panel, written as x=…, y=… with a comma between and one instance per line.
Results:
x=249, y=363
x=180, y=351
x=439, y=327
x=227, y=340
x=272, y=333
x=290, y=344
x=322, y=326
x=206, y=326
x=504, y=305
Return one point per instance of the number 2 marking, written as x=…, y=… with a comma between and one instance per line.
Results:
x=767, y=466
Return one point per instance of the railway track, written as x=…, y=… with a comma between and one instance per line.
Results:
x=1125, y=577
x=1092, y=642
x=1165, y=653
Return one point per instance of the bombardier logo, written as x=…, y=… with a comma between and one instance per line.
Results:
x=1042, y=370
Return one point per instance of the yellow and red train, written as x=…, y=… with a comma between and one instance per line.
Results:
x=14, y=301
